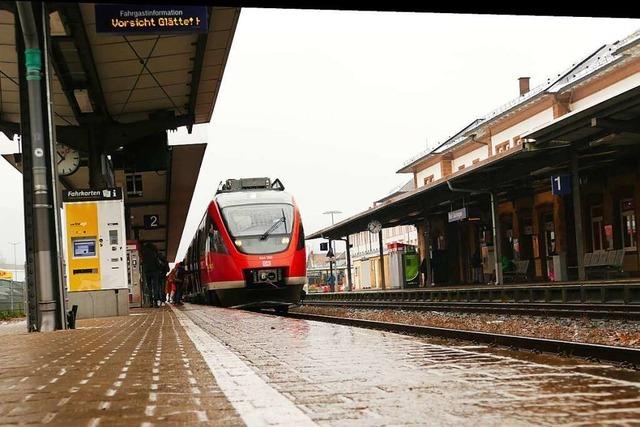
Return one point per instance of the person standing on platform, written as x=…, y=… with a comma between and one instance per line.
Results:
x=179, y=281
x=163, y=267
x=151, y=272
x=476, y=266
x=171, y=286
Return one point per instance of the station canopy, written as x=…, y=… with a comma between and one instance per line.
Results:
x=126, y=91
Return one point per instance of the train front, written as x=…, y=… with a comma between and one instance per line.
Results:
x=266, y=261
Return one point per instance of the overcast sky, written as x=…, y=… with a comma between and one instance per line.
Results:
x=333, y=102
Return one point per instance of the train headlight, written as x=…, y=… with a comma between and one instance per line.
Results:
x=285, y=240
x=238, y=242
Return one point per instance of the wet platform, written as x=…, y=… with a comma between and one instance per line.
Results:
x=111, y=371
x=227, y=367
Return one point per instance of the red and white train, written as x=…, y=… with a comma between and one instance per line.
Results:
x=249, y=249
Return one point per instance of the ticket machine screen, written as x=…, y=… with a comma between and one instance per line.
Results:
x=84, y=248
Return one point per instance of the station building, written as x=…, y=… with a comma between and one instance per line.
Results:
x=551, y=175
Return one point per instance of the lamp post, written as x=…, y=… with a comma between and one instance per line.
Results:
x=331, y=243
x=15, y=272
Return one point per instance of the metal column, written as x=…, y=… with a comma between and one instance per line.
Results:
x=428, y=279
x=577, y=215
x=497, y=250
x=50, y=304
x=350, y=283
x=333, y=282
x=30, y=278
x=382, y=279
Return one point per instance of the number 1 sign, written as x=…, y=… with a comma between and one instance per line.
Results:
x=561, y=185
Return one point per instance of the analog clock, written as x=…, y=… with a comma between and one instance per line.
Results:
x=67, y=159
x=374, y=227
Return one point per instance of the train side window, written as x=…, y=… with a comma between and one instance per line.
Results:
x=300, y=238
x=214, y=241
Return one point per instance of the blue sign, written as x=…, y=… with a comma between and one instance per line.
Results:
x=561, y=185
x=150, y=19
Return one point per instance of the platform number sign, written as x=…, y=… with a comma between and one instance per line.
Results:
x=151, y=221
x=561, y=185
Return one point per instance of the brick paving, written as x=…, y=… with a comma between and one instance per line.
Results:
x=340, y=376
x=213, y=366
x=136, y=370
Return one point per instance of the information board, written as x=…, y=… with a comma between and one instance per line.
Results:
x=122, y=19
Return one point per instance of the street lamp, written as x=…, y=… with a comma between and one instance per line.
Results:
x=332, y=247
x=15, y=272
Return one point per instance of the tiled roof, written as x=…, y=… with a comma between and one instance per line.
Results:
x=602, y=57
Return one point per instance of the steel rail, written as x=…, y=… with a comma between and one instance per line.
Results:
x=602, y=311
x=630, y=357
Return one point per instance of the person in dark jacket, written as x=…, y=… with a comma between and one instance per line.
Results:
x=179, y=281
x=163, y=267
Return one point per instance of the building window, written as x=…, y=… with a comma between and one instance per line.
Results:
x=134, y=185
x=460, y=167
x=517, y=140
x=475, y=161
x=628, y=217
x=596, y=228
x=503, y=146
x=428, y=179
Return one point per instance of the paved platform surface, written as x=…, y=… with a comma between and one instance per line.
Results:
x=135, y=370
x=212, y=366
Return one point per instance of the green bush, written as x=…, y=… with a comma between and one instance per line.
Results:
x=6, y=315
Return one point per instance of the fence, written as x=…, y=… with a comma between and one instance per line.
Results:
x=7, y=288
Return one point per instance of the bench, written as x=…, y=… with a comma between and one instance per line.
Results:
x=604, y=263
x=520, y=271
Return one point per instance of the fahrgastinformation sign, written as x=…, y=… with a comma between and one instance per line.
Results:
x=122, y=19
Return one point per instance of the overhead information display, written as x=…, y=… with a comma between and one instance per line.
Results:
x=117, y=19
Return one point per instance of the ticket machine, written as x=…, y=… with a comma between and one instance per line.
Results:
x=134, y=273
x=96, y=264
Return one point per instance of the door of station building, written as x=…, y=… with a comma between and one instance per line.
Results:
x=547, y=241
x=525, y=241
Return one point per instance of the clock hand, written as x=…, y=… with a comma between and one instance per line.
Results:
x=61, y=157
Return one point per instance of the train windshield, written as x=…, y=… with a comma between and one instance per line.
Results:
x=260, y=228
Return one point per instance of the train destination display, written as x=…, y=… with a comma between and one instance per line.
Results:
x=149, y=19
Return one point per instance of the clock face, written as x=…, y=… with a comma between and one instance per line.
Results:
x=375, y=226
x=67, y=159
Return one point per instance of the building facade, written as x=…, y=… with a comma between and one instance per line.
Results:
x=538, y=226
x=546, y=185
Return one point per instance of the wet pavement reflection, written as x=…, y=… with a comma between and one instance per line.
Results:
x=340, y=375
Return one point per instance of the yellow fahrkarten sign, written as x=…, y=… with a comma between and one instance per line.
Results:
x=6, y=275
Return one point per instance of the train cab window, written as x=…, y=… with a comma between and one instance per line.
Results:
x=260, y=228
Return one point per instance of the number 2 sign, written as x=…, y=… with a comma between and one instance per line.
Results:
x=151, y=221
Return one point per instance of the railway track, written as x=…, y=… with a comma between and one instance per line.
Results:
x=620, y=300
x=628, y=357
x=594, y=310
